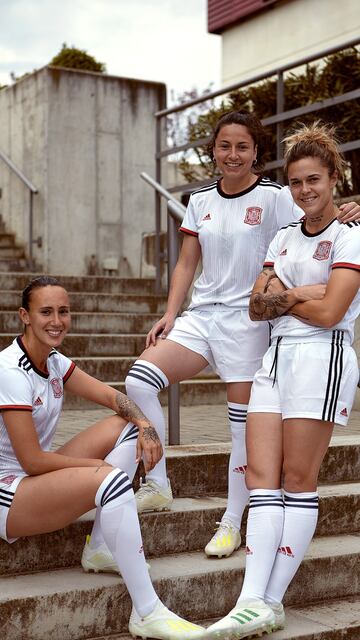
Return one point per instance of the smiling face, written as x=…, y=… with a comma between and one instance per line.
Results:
x=312, y=188
x=47, y=320
x=234, y=152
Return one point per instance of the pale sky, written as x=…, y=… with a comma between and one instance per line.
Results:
x=161, y=40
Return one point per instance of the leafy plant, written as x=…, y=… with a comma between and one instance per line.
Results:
x=73, y=58
x=335, y=75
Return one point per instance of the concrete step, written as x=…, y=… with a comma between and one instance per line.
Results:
x=82, y=322
x=67, y=604
x=11, y=251
x=10, y=264
x=6, y=239
x=97, y=302
x=192, y=392
x=324, y=621
x=187, y=527
x=96, y=344
x=105, y=284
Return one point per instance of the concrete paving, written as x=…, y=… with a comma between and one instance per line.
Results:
x=201, y=424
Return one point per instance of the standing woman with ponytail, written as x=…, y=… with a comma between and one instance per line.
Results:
x=309, y=290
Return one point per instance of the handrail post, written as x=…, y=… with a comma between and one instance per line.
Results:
x=158, y=209
x=174, y=389
x=280, y=125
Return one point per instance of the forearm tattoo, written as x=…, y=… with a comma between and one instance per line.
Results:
x=268, y=307
x=149, y=433
x=272, y=275
x=127, y=409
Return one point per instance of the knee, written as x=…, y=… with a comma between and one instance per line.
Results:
x=262, y=478
x=142, y=378
x=114, y=483
x=298, y=480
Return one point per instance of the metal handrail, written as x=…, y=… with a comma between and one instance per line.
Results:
x=261, y=76
x=175, y=215
x=32, y=190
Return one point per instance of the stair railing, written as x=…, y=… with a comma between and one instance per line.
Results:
x=175, y=214
x=32, y=191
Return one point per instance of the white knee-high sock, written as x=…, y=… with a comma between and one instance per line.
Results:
x=123, y=456
x=264, y=529
x=121, y=531
x=143, y=383
x=238, y=494
x=300, y=519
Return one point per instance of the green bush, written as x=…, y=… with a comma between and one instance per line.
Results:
x=335, y=75
x=73, y=58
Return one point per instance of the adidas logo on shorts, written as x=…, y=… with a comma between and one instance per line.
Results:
x=344, y=412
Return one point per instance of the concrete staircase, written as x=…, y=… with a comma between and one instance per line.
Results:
x=54, y=599
x=43, y=592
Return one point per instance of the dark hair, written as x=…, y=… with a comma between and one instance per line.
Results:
x=37, y=283
x=252, y=124
x=317, y=140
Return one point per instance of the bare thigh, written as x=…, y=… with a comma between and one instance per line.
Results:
x=96, y=441
x=305, y=444
x=52, y=500
x=177, y=362
x=238, y=392
x=264, y=446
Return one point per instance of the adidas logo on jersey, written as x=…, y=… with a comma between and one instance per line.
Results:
x=283, y=253
x=286, y=551
x=207, y=217
x=38, y=402
x=241, y=470
x=344, y=412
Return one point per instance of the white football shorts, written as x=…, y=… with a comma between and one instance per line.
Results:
x=314, y=380
x=225, y=336
x=9, y=482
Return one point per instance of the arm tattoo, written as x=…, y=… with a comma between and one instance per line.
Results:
x=149, y=433
x=127, y=409
x=268, y=307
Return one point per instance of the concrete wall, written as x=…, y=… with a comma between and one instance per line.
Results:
x=289, y=30
x=82, y=138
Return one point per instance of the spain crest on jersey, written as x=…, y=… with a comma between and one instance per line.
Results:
x=253, y=215
x=322, y=251
x=56, y=387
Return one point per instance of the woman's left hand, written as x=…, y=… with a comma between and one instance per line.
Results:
x=349, y=212
x=148, y=447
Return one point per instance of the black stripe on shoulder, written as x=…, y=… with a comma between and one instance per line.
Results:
x=292, y=224
x=266, y=182
x=355, y=223
x=208, y=187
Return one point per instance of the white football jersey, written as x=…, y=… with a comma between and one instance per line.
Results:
x=234, y=232
x=300, y=258
x=23, y=387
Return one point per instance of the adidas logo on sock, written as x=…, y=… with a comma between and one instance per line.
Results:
x=286, y=551
x=207, y=217
x=344, y=412
x=241, y=470
x=38, y=402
